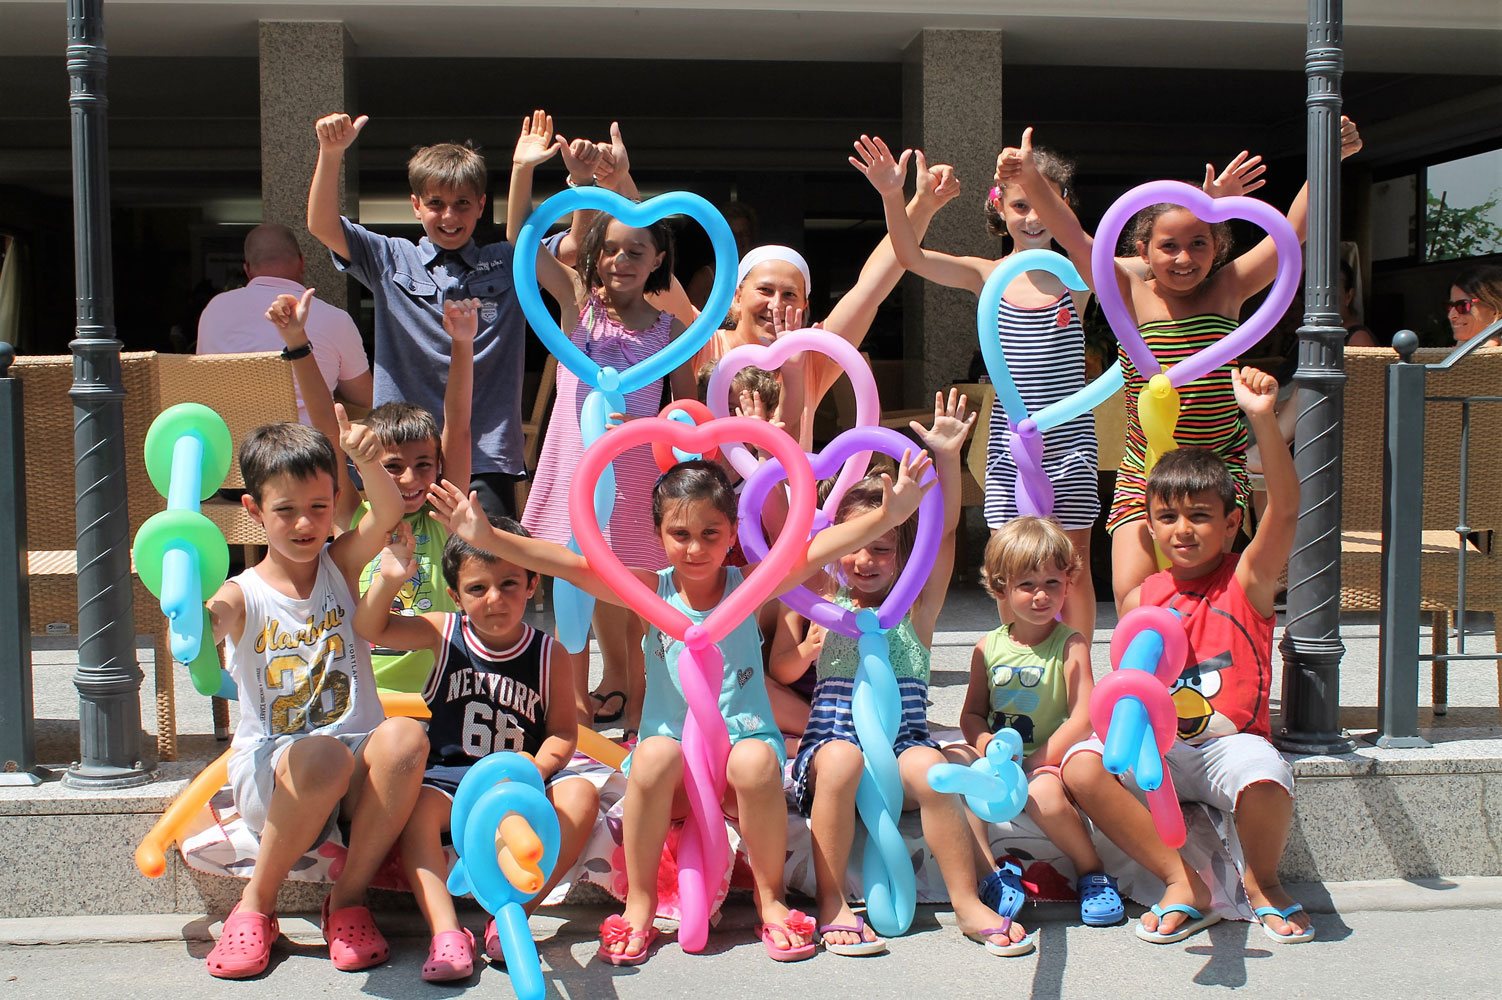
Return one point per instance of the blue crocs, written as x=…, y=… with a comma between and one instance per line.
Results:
x=1002, y=890
x=1100, y=902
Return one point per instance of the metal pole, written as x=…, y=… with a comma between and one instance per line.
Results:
x=108, y=678
x=1311, y=644
x=17, y=735
x=1402, y=524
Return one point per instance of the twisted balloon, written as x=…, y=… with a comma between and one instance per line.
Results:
x=994, y=786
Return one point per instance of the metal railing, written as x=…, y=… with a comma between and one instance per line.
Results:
x=1402, y=536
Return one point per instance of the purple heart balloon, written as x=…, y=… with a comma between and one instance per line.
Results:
x=914, y=575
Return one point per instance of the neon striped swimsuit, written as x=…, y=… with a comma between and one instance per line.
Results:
x=1208, y=415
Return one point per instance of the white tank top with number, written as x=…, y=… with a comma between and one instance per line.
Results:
x=299, y=666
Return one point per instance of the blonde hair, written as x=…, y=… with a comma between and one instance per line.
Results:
x=1024, y=545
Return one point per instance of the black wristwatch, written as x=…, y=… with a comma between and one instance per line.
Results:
x=292, y=354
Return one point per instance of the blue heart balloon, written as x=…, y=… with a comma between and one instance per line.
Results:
x=683, y=347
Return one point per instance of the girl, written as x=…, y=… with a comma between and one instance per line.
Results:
x=829, y=763
x=1033, y=675
x=618, y=266
x=497, y=684
x=1183, y=302
x=694, y=511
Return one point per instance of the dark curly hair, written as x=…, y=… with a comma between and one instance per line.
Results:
x=1140, y=232
x=594, y=243
x=1055, y=169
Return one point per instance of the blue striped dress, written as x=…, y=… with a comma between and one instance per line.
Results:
x=1047, y=362
x=829, y=716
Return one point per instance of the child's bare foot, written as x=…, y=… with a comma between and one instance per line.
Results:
x=837, y=913
x=1190, y=892
x=1273, y=896
x=786, y=934
x=976, y=917
x=639, y=914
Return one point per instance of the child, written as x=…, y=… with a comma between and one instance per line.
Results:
x=614, y=324
x=694, y=510
x=413, y=453
x=1185, y=302
x=1223, y=757
x=497, y=685
x=410, y=284
x=311, y=746
x=829, y=763
x=1033, y=675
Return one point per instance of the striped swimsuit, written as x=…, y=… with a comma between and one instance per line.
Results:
x=1047, y=362
x=1208, y=415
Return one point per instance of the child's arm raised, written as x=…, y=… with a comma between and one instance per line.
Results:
x=537, y=144
x=336, y=133
x=290, y=317
x=563, y=715
x=1264, y=559
x=1080, y=682
x=461, y=322
x=460, y=512
x=944, y=440
x=887, y=176
x=353, y=550
x=613, y=170
x=374, y=620
x=792, y=656
x=975, y=714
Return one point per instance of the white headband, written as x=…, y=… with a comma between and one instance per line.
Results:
x=761, y=255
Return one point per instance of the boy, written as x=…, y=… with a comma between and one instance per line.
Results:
x=1223, y=756
x=414, y=454
x=410, y=284
x=311, y=745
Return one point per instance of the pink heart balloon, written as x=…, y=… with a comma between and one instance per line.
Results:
x=771, y=357
x=1233, y=344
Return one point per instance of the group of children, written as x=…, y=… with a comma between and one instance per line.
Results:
x=426, y=569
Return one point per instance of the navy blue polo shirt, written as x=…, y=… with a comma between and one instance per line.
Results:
x=410, y=282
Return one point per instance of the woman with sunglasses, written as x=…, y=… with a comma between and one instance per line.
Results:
x=1475, y=302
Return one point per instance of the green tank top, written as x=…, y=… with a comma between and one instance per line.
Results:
x=399, y=670
x=1029, y=689
x=840, y=654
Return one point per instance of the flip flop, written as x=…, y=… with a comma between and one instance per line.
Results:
x=244, y=946
x=1197, y=922
x=1100, y=900
x=451, y=956
x=605, y=718
x=1002, y=890
x=354, y=940
x=860, y=950
x=615, y=930
x=1023, y=947
x=796, y=923
x=1301, y=937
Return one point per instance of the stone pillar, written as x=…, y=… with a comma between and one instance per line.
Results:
x=307, y=71
x=951, y=109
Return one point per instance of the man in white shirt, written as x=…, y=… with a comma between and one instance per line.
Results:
x=235, y=322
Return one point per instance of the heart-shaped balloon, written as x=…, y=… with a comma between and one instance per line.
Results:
x=920, y=561
x=1207, y=209
x=771, y=357
x=688, y=412
x=682, y=347
x=706, y=742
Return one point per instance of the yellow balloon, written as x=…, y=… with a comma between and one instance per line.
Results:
x=1158, y=412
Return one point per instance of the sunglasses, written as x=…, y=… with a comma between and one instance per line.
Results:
x=1461, y=306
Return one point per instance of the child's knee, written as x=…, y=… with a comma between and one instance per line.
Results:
x=399, y=745
x=1085, y=771
x=914, y=765
x=657, y=759
x=752, y=764
x=1046, y=797
x=576, y=800
x=317, y=763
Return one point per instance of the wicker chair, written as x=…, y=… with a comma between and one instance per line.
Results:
x=1361, y=512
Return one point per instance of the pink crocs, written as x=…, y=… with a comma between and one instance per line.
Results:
x=451, y=956
x=354, y=941
x=244, y=945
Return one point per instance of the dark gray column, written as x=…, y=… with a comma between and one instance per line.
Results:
x=1311, y=644
x=108, y=678
x=17, y=739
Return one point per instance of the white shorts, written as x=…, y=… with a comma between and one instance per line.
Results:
x=252, y=777
x=1217, y=771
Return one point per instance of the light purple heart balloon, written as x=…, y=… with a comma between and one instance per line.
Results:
x=1208, y=209
x=920, y=561
x=1033, y=491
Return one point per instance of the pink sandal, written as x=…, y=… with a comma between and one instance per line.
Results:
x=798, y=924
x=244, y=945
x=615, y=930
x=354, y=941
x=451, y=956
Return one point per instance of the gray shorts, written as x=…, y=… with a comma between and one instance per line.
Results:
x=1217, y=771
x=252, y=778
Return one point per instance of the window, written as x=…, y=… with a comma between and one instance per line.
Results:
x=1463, y=207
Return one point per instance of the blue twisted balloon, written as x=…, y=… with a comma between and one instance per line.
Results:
x=572, y=607
x=995, y=788
x=494, y=788
x=876, y=706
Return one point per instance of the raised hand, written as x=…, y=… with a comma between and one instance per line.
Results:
x=885, y=173
x=1014, y=163
x=813, y=643
x=951, y=426
x=1350, y=138
x=458, y=511
x=461, y=319
x=336, y=133
x=581, y=158
x=399, y=557
x=536, y=143
x=1242, y=175
x=938, y=183
x=1256, y=391
x=358, y=441
x=901, y=498
x=751, y=405
x=614, y=160
x=289, y=315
